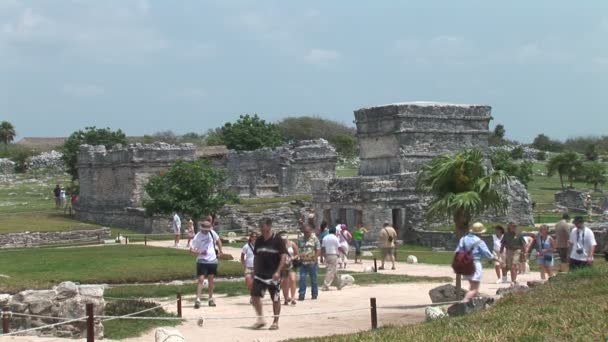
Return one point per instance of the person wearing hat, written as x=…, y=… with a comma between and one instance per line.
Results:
x=472, y=242
x=388, y=234
x=203, y=246
x=582, y=245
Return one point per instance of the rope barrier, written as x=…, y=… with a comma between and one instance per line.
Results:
x=43, y=327
x=111, y=318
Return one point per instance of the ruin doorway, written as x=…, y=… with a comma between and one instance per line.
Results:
x=398, y=219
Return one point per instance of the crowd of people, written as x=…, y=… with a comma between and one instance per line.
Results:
x=574, y=243
x=61, y=199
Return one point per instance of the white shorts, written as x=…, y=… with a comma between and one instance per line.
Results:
x=477, y=275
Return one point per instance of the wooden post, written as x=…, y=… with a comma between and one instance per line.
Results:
x=90, y=323
x=145, y=240
x=375, y=265
x=372, y=302
x=5, y=321
x=126, y=240
x=98, y=238
x=179, y=304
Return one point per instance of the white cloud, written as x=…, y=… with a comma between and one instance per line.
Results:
x=321, y=56
x=442, y=49
x=82, y=90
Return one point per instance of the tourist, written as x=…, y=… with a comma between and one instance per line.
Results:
x=387, y=244
x=270, y=258
x=332, y=247
x=323, y=231
x=512, y=243
x=247, y=258
x=190, y=227
x=524, y=266
x=57, y=193
x=589, y=207
x=203, y=246
x=562, y=235
x=499, y=257
x=288, y=274
x=479, y=249
x=545, y=246
x=358, y=235
x=62, y=197
x=345, y=238
x=176, y=227
x=310, y=249
x=582, y=245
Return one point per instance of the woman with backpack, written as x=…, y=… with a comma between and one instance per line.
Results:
x=467, y=261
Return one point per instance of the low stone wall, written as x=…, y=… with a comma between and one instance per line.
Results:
x=67, y=300
x=40, y=238
x=239, y=220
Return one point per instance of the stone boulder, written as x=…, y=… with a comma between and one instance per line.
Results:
x=411, y=259
x=512, y=289
x=168, y=335
x=433, y=312
x=65, y=290
x=6, y=166
x=346, y=279
x=226, y=256
x=446, y=293
x=368, y=269
x=476, y=304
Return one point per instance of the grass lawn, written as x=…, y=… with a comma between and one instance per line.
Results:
x=26, y=193
x=120, y=329
x=346, y=172
x=40, y=222
x=424, y=254
x=38, y=268
x=573, y=307
x=236, y=288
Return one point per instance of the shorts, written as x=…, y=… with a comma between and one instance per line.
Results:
x=248, y=271
x=386, y=251
x=477, y=275
x=512, y=256
x=578, y=264
x=357, y=244
x=206, y=269
x=177, y=231
x=563, y=254
x=500, y=259
x=545, y=262
x=259, y=289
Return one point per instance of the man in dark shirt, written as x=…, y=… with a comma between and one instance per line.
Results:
x=57, y=193
x=270, y=258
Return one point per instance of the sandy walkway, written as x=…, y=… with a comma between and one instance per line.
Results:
x=312, y=318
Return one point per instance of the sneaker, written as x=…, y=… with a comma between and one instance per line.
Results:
x=211, y=302
x=500, y=281
x=325, y=288
x=197, y=303
x=314, y=298
x=340, y=286
x=301, y=299
x=505, y=280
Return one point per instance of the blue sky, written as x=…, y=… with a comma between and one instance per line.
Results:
x=146, y=66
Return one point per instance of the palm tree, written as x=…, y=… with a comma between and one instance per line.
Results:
x=461, y=186
x=595, y=174
x=565, y=164
x=7, y=132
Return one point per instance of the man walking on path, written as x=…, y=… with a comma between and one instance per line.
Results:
x=582, y=243
x=270, y=259
x=332, y=247
x=513, y=243
x=176, y=226
x=562, y=233
x=387, y=244
x=310, y=249
x=203, y=246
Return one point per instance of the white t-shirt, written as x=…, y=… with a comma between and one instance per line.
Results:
x=583, y=238
x=338, y=229
x=205, y=242
x=331, y=244
x=177, y=224
x=248, y=252
x=497, y=243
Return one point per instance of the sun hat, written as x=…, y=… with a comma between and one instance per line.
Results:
x=206, y=226
x=478, y=228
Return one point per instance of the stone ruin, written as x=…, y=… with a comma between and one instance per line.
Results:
x=112, y=181
x=395, y=141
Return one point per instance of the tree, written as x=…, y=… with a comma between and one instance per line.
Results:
x=502, y=160
x=194, y=188
x=544, y=143
x=214, y=137
x=541, y=155
x=595, y=174
x=90, y=136
x=591, y=152
x=499, y=131
x=346, y=145
x=517, y=152
x=250, y=133
x=566, y=164
x=299, y=128
x=461, y=187
x=7, y=133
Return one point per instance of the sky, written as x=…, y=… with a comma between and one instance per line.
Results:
x=188, y=66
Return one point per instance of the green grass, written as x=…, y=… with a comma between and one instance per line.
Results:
x=120, y=329
x=424, y=254
x=27, y=193
x=37, y=268
x=571, y=308
x=40, y=222
x=346, y=172
x=237, y=288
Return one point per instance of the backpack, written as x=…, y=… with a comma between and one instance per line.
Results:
x=463, y=259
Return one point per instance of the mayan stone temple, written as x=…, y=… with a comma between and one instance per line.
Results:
x=395, y=140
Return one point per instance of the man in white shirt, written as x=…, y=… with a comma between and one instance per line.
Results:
x=332, y=249
x=203, y=246
x=176, y=226
x=582, y=245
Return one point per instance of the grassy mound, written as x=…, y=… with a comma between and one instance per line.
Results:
x=571, y=307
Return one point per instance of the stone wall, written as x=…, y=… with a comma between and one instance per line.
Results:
x=40, y=238
x=67, y=300
x=6, y=166
x=242, y=221
x=572, y=199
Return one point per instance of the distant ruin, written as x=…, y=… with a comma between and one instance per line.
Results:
x=112, y=181
x=395, y=141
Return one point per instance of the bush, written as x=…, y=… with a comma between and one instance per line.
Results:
x=517, y=152
x=90, y=136
x=541, y=155
x=249, y=133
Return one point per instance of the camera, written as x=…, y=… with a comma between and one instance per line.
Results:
x=579, y=251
